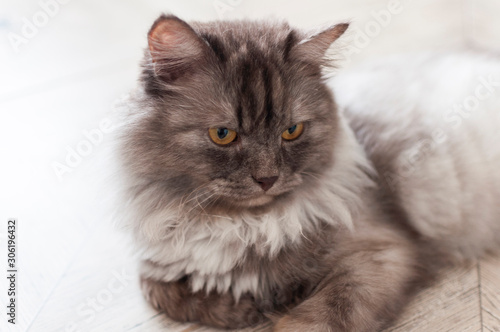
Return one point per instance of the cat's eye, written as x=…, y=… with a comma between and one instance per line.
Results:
x=293, y=132
x=222, y=136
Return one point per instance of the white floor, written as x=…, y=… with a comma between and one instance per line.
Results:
x=60, y=80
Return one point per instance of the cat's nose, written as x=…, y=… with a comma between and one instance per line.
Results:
x=266, y=183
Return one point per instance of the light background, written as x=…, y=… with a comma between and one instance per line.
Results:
x=65, y=78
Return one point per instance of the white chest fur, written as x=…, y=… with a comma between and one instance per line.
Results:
x=209, y=247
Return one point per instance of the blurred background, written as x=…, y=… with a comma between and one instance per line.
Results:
x=64, y=64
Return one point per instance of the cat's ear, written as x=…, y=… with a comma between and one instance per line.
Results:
x=315, y=47
x=174, y=46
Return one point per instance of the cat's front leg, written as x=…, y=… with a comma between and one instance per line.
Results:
x=219, y=310
x=371, y=279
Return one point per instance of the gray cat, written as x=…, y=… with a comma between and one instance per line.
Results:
x=253, y=193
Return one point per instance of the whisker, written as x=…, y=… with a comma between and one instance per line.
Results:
x=200, y=203
x=187, y=199
x=315, y=176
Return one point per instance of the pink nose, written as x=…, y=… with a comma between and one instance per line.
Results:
x=266, y=183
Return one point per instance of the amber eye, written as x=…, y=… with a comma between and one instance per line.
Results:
x=293, y=132
x=222, y=136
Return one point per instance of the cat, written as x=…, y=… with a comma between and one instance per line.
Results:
x=258, y=189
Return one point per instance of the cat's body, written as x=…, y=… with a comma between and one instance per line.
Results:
x=430, y=125
x=343, y=235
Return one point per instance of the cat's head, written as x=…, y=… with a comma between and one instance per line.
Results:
x=234, y=114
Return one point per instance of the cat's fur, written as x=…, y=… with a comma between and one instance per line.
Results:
x=346, y=235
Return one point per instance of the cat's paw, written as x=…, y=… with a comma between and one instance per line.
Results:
x=213, y=309
x=173, y=298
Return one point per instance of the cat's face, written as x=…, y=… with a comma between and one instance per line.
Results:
x=237, y=113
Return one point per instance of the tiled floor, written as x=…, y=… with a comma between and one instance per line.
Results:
x=59, y=80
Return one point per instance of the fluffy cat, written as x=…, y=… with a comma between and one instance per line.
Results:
x=254, y=193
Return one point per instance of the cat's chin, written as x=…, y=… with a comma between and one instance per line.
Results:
x=254, y=201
